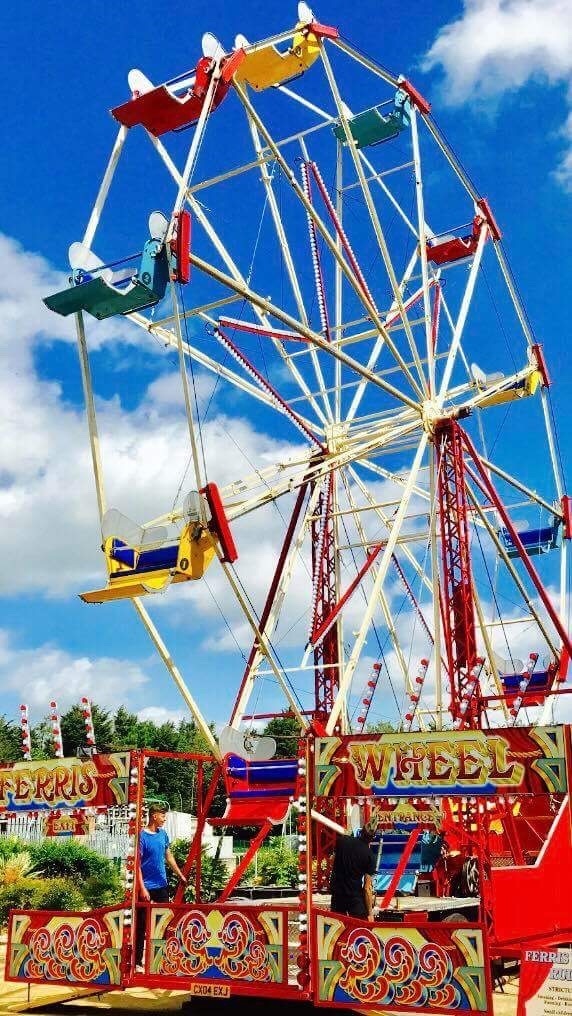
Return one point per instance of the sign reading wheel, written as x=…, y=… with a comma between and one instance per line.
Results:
x=210, y=990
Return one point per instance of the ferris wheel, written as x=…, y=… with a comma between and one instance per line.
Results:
x=325, y=260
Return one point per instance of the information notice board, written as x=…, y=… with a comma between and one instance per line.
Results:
x=545, y=987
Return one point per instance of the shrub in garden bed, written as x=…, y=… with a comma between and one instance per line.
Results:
x=67, y=857
x=275, y=864
x=23, y=895
x=214, y=873
x=10, y=845
x=55, y=875
x=60, y=894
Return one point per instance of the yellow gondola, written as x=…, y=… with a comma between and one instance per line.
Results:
x=266, y=66
x=521, y=389
x=143, y=560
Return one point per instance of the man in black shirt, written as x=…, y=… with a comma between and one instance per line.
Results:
x=354, y=865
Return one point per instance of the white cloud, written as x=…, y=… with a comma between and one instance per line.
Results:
x=49, y=537
x=159, y=715
x=167, y=389
x=48, y=672
x=564, y=172
x=497, y=46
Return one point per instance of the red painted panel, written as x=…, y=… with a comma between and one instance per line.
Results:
x=517, y=760
x=71, y=948
x=531, y=900
x=323, y=31
x=395, y=968
x=231, y=64
x=451, y=250
x=225, y=944
x=181, y=245
x=416, y=98
x=62, y=783
x=220, y=524
x=541, y=364
x=485, y=209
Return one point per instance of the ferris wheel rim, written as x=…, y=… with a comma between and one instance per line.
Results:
x=414, y=421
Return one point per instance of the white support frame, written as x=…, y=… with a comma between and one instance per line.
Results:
x=353, y=442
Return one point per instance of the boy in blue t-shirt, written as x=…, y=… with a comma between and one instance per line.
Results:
x=154, y=855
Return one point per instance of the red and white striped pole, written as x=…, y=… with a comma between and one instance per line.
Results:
x=25, y=728
x=88, y=720
x=370, y=691
x=415, y=695
x=523, y=685
x=56, y=730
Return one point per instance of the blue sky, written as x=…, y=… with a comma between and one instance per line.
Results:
x=499, y=76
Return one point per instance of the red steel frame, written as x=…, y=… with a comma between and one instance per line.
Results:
x=292, y=525
x=457, y=590
x=485, y=485
x=203, y=809
x=326, y=657
x=326, y=653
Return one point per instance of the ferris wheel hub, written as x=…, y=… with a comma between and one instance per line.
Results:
x=336, y=435
x=431, y=414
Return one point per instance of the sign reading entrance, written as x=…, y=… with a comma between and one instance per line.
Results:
x=545, y=987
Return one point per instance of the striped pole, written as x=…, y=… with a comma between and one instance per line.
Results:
x=25, y=728
x=415, y=695
x=88, y=720
x=56, y=730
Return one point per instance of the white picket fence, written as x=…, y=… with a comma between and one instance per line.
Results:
x=108, y=831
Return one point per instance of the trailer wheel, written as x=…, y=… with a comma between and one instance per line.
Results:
x=466, y=881
x=469, y=877
x=454, y=917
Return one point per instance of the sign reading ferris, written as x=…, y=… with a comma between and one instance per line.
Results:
x=64, y=783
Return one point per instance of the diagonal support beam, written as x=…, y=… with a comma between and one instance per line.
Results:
x=274, y=599
x=221, y=249
x=533, y=574
x=330, y=243
x=269, y=308
x=241, y=868
x=352, y=663
x=374, y=217
x=270, y=389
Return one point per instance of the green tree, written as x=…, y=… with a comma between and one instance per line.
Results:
x=285, y=730
x=175, y=780
x=73, y=729
x=41, y=740
x=275, y=864
x=381, y=727
x=10, y=741
x=214, y=873
x=125, y=729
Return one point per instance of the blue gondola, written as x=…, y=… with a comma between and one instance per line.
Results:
x=534, y=541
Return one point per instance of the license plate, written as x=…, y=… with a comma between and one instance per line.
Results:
x=211, y=990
